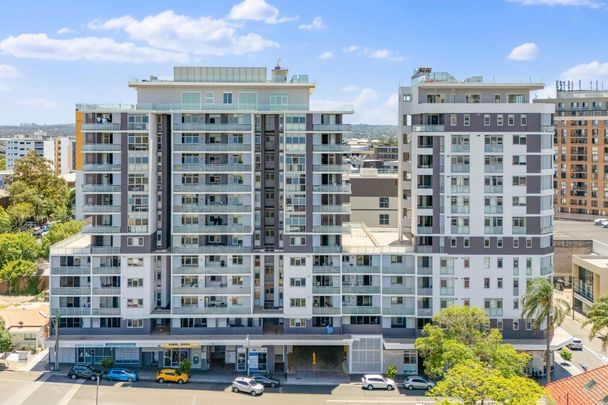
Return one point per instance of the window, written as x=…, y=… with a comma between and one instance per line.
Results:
x=135, y=241
x=453, y=242
x=519, y=201
x=497, y=98
x=519, y=139
x=135, y=262
x=519, y=180
x=499, y=283
x=135, y=303
x=467, y=120
x=486, y=120
x=297, y=241
x=515, y=303
x=453, y=120
x=499, y=244
x=486, y=242
x=135, y=323
x=515, y=325
x=209, y=99
x=510, y=120
x=523, y=120
x=383, y=202
x=297, y=261
x=297, y=302
x=499, y=261
x=227, y=98
x=486, y=282
x=528, y=243
x=135, y=282
x=486, y=262
x=467, y=282
x=499, y=324
x=297, y=282
x=383, y=219
x=297, y=322
x=499, y=120
x=191, y=100
x=519, y=160
x=528, y=325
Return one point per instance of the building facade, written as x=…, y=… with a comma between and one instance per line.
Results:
x=59, y=151
x=374, y=198
x=219, y=231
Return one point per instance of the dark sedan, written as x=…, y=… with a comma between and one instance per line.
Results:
x=265, y=380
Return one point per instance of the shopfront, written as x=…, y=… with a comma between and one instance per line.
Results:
x=175, y=353
x=121, y=354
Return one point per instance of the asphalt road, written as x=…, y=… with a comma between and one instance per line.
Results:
x=591, y=356
x=34, y=388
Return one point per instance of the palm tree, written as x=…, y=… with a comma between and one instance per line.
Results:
x=541, y=307
x=597, y=317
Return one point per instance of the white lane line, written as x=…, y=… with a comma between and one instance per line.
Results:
x=67, y=397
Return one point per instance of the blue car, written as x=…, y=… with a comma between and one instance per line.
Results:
x=122, y=374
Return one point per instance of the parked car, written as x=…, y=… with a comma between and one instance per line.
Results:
x=576, y=344
x=122, y=374
x=418, y=383
x=83, y=371
x=376, y=381
x=171, y=375
x=247, y=385
x=265, y=380
x=599, y=221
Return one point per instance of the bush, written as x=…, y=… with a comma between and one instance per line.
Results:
x=185, y=366
x=107, y=362
x=566, y=354
x=391, y=371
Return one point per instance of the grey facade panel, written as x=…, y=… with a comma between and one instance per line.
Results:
x=477, y=124
x=533, y=163
x=533, y=143
x=533, y=185
x=373, y=187
x=533, y=204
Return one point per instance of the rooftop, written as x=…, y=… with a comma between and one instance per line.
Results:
x=579, y=230
x=425, y=77
x=22, y=318
x=364, y=240
x=583, y=389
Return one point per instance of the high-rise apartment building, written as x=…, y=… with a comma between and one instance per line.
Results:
x=581, y=152
x=219, y=225
x=59, y=151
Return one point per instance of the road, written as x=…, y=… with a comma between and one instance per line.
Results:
x=35, y=388
x=591, y=355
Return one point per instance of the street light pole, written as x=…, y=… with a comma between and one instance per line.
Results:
x=247, y=353
x=97, y=391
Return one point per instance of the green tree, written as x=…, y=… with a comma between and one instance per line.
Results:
x=13, y=271
x=2, y=162
x=33, y=181
x=5, y=338
x=57, y=233
x=185, y=366
x=391, y=371
x=21, y=212
x=471, y=383
x=6, y=221
x=107, y=362
x=597, y=317
x=15, y=246
x=566, y=354
x=540, y=306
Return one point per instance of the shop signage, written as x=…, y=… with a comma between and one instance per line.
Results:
x=181, y=346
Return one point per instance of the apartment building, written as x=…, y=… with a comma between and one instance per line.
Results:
x=374, y=198
x=59, y=151
x=581, y=152
x=219, y=228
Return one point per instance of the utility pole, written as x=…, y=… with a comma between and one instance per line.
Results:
x=57, y=316
x=97, y=391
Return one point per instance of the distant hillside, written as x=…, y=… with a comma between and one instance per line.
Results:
x=374, y=131
x=29, y=129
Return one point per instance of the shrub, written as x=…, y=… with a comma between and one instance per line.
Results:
x=185, y=366
x=391, y=371
x=566, y=354
x=107, y=362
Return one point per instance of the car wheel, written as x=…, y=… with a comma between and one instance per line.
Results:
x=129, y=379
x=180, y=381
x=410, y=387
x=253, y=393
x=235, y=389
x=93, y=378
x=273, y=385
x=389, y=387
x=430, y=387
x=73, y=376
x=160, y=381
x=370, y=387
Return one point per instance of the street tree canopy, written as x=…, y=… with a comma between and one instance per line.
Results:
x=15, y=246
x=14, y=270
x=5, y=338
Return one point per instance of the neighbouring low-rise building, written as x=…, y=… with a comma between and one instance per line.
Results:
x=28, y=325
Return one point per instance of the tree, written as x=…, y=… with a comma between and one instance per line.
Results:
x=6, y=340
x=597, y=317
x=33, y=181
x=185, y=366
x=107, y=362
x=391, y=371
x=21, y=212
x=6, y=221
x=15, y=246
x=13, y=271
x=471, y=383
x=540, y=306
x=57, y=233
x=459, y=334
x=566, y=354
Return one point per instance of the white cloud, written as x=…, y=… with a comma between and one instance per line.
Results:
x=351, y=48
x=371, y=107
x=258, y=10
x=383, y=54
x=39, y=46
x=326, y=55
x=8, y=72
x=586, y=71
x=349, y=88
x=527, y=51
x=316, y=24
x=201, y=36
x=39, y=103
x=547, y=92
x=4, y=87
x=64, y=30
x=565, y=3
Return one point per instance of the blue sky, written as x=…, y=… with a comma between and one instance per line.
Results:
x=56, y=54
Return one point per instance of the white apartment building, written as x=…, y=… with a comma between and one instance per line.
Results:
x=59, y=151
x=219, y=225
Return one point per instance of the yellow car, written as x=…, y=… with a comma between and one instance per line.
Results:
x=171, y=375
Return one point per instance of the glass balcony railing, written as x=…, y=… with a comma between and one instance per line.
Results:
x=493, y=168
x=493, y=148
x=398, y=310
x=325, y=269
x=100, y=188
x=425, y=291
x=210, y=127
x=221, y=249
x=358, y=310
x=427, y=128
x=100, y=229
x=446, y=291
x=87, y=208
x=331, y=168
x=228, y=310
x=106, y=270
x=424, y=230
x=492, y=209
x=519, y=230
x=494, y=312
x=397, y=269
x=212, y=168
x=101, y=147
x=106, y=311
x=460, y=189
x=71, y=311
x=493, y=230
x=318, y=289
x=398, y=289
x=101, y=127
x=212, y=147
x=73, y=291
x=211, y=229
x=353, y=268
x=337, y=208
x=360, y=289
x=456, y=168
x=332, y=188
x=106, y=290
x=460, y=230
x=212, y=188
x=332, y=127
x=228, y=208
x=70, y=270
x=425, y=311
x=493, y=189
x=329, y=107
x=325, y=311
x=337, y=148
x=101, y=167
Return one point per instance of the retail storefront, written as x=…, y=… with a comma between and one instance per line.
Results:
x=175, y=353
x=121, y=353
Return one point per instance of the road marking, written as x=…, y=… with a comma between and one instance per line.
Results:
x=65, y=400
x=25, y=390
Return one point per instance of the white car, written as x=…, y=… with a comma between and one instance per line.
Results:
x=247, y=385
x=415, y=382
x=376, y=381
x=576, y=344
x=600, y=221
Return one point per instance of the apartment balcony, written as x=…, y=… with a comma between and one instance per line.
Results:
x=424, y=270
x=493, y=148
x=519, y=230
x=101, y=188
x=218, y=290
x=460, y=230
x=325, y=269
x=211, y=229
x=332, y=188
x=212, y=168
x=70, y=270
x=425, y=291
x=95, y=209
x=106, y=290
x=492, y=209
x=216, y=208
x=459, y=209
x=446, y=271
x=332, y=208
x=325, y=311
x=101, y=147
x=332, y=127
x=398, y=310
x=212, y=188
x=331, y=168
x=425, y=311
x=106, y=311
x=331, y=148
x=547, y=128
x=353, y=268
x=461, y=148
x=493, y=189
x=327, y=249
x=357, y=310
x=220, y=249
x=360, y=289
x=492, y=230
x=428, y=128
x=194, y=310
x=398, y=290
x=101, y=167
x=324, y=290
x=109, y=270
x=446, y=291
x=397, y=269
x=73, y=291
x=71, y=311
x=100, y=229
x=546, y=270
x=211, y=270
x=209, y=127
x=494, y=312
x=424, y=230
x=212, y=147
x=492, y=168
x=101, y=127
x=337, y=229
x=455, y=168
x=460, y=189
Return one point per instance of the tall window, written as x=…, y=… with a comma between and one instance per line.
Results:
x=227, y=98
x=191, y=100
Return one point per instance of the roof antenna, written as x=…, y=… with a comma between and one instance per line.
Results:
x=278, y=66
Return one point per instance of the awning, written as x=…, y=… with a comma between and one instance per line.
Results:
x=396, y=345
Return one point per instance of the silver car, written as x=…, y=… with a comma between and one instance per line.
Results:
x=576, y=344
x=376, y=381
x=247, y=385
x=418, y=383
